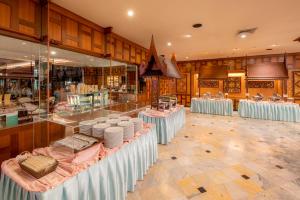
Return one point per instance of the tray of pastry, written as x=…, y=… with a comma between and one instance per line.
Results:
x=38, y=165
x=77, y=142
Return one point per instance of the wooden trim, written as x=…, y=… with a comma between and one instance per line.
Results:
x=74, y=16
x=239, y=57
x=78, y=50
x=18, y=35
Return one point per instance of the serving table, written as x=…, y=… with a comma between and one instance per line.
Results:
x=269, y=110
x=109, y=178
x=212, y=106
x=167, y=122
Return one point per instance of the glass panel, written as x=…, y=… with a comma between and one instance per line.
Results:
x=19, y=96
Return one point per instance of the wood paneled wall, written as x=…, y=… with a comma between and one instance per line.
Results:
x=20, y=18
x=70, y=31
x=237, y=64
x=124, y=50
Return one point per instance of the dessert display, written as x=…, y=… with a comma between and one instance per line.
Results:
x=113, y=137
x=128, y=129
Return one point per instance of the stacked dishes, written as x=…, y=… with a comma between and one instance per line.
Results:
x=124, y=118
x=101, y=119
x=85, y=127
x=128, y=130
x=98, y=130
x=113, y=137
x=138, y=124
x=113, y=122
x=113, y=116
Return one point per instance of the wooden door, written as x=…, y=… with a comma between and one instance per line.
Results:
x=183, y=89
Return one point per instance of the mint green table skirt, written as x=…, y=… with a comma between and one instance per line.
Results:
x=269, y=111
x=211, y=106
x=108, y=179
x=166, y=127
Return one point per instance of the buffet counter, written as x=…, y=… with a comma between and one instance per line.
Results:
x=88, y=177
x=212, y=106
x=277, y=111
x=168, y=122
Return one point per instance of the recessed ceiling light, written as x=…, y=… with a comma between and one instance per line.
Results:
x=53, y=52
x=187, y=36
x=236, y=49
x=24, y=43
x=25, y=56
x=169, y=44
x=275, y=45
x=186, y=57
x=130, y=13
x=243, y=35
x=197, y=25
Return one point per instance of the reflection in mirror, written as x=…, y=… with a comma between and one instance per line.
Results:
x=80, y=82
x=19, y=81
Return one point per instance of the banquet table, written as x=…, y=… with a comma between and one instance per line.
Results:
x=167, y=123
x=212, y=106
x=107, y=179
x=269, y=110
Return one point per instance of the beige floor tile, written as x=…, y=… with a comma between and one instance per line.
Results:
x=237, y=147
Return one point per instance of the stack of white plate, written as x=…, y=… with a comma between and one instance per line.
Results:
x=113, y=137
x=98, y=130
x=124, y=118
x=101, y=119
x=138, y=124
x=85, y=127
x=128, y=130
x=113, y=116
x=113, y=122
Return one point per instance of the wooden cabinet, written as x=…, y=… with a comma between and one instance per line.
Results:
x=21, y=16
x=132, y=53
x=85, y=38
x=55, y=27
x=70, y=31
x=5, y=15
x=28, y=19
x=126, y=52
x=138, y=56
x=98, y=42
x=118, y=49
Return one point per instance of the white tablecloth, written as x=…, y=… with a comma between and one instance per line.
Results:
x=108, y=179
x=212, y=106
x=167, y=124
x=269, y=110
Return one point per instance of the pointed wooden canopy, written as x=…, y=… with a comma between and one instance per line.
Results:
x=172, y=67
x=159, y=65
x=153, y=65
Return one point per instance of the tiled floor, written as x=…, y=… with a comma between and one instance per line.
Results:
x=216, y=157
